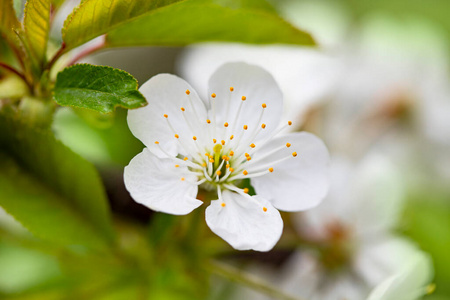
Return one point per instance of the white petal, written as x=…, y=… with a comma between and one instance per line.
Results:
x=409, y=283
x=243, y=223
x=166, y=94
x=157, y=183
x=297, y=183
x=257, y=85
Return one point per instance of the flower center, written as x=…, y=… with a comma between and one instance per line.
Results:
x=221, y=155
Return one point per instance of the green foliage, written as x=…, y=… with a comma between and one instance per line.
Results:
x=179, y=23
x=98, y=88
x=93, y=18
x=37, y=24
x=53, y=192
x=8, y=21
x=213, y=22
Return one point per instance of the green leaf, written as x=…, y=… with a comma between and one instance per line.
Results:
x=37, y=24
x=203, y=20
x=98, y=88
x=179, y=23
x=93, y=18
x=52, y=191
x=8, y=21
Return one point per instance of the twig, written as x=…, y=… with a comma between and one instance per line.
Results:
x=239, y=276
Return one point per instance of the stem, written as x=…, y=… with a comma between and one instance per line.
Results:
x=233, y=274
x=56, y=56
x=87, y=52
x=12, y=70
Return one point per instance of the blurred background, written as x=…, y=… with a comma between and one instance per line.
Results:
x=376, y=90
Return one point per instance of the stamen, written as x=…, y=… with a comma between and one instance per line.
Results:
x=252, y=145
x=182, y=109
x=166, y=116
x=294, y=154
x=246, y=190
x=231, y=137
x=214, y=141
x=177, y=136
x=177, y=166
x=213, y=95
x=288, y=145
x=289, y=123
x=225, y=124
x=223, y=204
x=264, y=209
x=218, y=172
x=208, y=121
x=263, y=126
x=156, y=142
x=231, y=153
x=270, y=170
x=231, y=88
x=188, y=92
x=185, y=159
x=264, y=105
x=243, y=98
x=182, y=178
x=245, y=127
x=223, y=142
x=194, y=138
x=245, y=172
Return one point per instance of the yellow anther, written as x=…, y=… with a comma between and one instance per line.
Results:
x=294, y=154
x=270, y=169
x=245, y=172
x=223, y=204
x=204, y=164
x=263, y=126
x=288, y=145
x=211, y=160
x=289, y=123
x=231, y=153
x=208, y=121
x=218, y=172
x=222, y=142
x=245, y=127
x=231, y=88
x=177, y=136
x=188, y=92
x=214, y=141
x=252, y=145
x=182, y=109
x=227, y=166
x=264, y=105
x=207, y=154
x=166, y=116
x=213, y=95
x=176, y=166
x=156, y=142
x=247, y=155
x=182, y=178
x=231, y=170
x=231, y=137
x=194, y=138
x=249, y=158
x=211, y=157
x=246, y=190
x=185, y=159
x=225, y=124
x=224, y=157
x=264, y=209
x=244, y=98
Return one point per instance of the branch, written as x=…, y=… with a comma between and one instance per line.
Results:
x=233, y=274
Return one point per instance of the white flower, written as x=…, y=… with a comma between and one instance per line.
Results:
x=219, y=143
x=305, y=75
x=351, y=234
x=409, y=283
